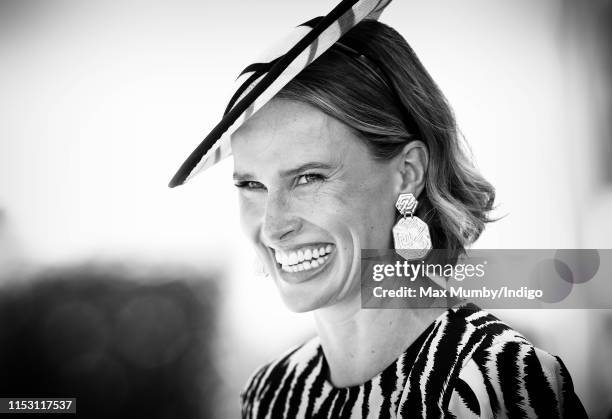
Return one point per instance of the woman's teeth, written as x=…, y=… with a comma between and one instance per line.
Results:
x=304, y=259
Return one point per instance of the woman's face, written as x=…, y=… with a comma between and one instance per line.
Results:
x=311, y=196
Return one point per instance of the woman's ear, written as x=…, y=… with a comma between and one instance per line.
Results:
x=412, y=165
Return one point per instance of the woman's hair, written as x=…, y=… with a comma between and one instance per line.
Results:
x=373, y=81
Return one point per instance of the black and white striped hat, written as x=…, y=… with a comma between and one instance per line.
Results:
x=259, y=82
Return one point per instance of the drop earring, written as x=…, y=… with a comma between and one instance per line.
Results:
x=410, y=233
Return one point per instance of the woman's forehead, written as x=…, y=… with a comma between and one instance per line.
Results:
x=283, y=128
x=288, y=135
x=280, y=117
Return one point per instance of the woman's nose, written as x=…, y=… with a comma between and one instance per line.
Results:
x=280, y=222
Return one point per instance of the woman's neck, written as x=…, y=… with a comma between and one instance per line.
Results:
x=360, y=343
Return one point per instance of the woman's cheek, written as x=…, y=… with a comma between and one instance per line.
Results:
x=326, y=201
x=250, y=216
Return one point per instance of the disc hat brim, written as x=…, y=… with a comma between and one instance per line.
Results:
x=259, y=82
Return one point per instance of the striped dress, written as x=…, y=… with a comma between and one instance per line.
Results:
x=466, y=364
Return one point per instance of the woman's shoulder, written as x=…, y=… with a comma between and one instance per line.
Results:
x=269, y=377
x=514, y=379
x=505, y=375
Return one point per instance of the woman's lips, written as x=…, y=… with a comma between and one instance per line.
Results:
x=290, y=260
x=310, y=266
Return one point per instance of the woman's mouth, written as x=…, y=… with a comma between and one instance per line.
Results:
x=306, y=258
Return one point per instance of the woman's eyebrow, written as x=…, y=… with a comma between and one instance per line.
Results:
x=290, y=172
x=305, y=167
x=242, y=176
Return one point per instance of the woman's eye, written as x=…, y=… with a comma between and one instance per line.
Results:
x=310, y=178
x=249, y=185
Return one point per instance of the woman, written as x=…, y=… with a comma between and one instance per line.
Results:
x=322, y=167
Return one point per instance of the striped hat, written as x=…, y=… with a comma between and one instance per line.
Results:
x=259, y=82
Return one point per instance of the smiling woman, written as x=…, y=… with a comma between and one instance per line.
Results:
x=324, y=160
x=313, y=186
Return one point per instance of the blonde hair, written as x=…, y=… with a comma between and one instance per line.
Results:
x=373, y=81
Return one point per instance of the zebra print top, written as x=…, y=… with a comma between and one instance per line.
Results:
x=466, y=364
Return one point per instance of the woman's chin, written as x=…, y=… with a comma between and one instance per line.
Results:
x=300, y=306
x=302, y=293
x=300, y=297
x=318, y=287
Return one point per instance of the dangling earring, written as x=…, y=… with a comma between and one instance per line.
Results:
x=410, y=234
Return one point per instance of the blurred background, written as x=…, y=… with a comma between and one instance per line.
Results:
x=123, y=293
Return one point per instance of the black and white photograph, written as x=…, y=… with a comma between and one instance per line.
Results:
x=323, y=209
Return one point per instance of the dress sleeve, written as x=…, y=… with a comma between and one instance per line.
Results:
x=514, y=379
x=248, y=393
